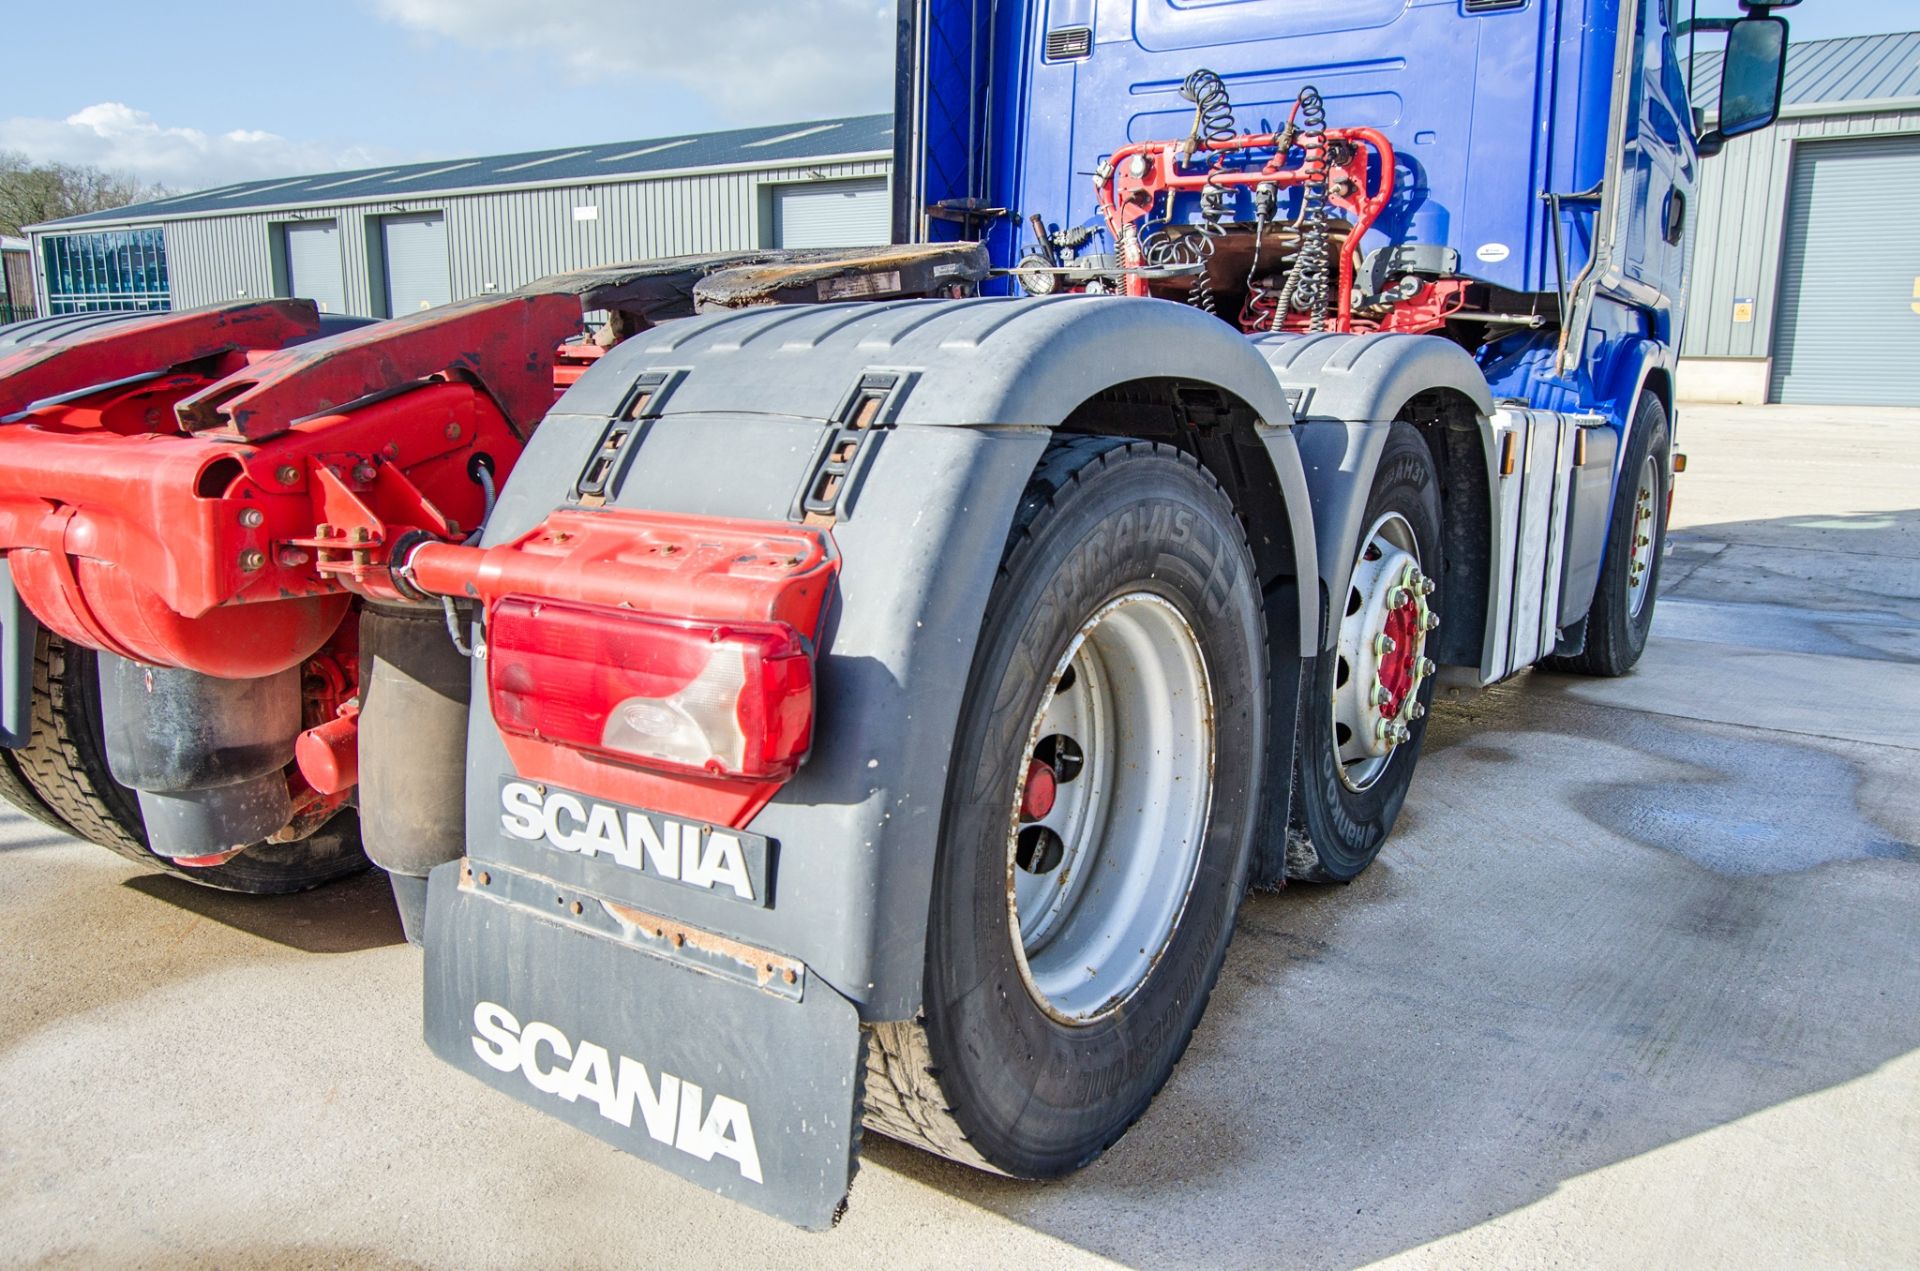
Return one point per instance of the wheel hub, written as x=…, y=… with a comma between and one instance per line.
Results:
x=1640, y=556
x=1110, y=811
x=1381, y=654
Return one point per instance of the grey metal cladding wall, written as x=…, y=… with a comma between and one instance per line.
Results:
x=510, y=238
x=504, y=238
x=1740, y=208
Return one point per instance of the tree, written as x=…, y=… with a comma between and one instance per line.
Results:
x=34, y=192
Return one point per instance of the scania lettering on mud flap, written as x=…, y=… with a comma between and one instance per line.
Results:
x=671, y=1111
x=644, y=842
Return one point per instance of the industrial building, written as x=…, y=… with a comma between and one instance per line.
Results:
x=1806, y=276
x=392, y=240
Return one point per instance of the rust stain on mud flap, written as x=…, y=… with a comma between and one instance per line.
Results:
x=749, y=1092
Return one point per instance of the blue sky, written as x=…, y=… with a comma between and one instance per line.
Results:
x=214, y=92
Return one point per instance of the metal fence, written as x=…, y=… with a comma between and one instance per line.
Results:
x=15, y=313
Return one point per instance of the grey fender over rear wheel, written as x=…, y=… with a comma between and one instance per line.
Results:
x=1362, y=724
x=1622, y=612
x=64, y=766
x=1099, y=820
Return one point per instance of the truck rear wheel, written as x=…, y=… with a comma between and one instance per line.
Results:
x=1099, y=822
x=64, y=764
x=1362, y=725
x=1622, y=612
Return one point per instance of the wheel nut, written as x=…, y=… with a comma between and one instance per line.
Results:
x=1425, y=666
x=1426, y=586
x=1383, y=644
x=1418, y=711
x=1383, y=730
x=1432, y=622
x=1641, y=540
x=1380, y=695
x=1397, y=597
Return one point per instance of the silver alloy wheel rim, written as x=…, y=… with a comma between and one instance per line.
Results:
x=1091, y=913
x=1366, y=733
x=1640, y=561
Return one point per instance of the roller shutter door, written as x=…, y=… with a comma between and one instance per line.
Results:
x=313, y=264
x=415, y=250
x=832, y=214
x=1847, y=330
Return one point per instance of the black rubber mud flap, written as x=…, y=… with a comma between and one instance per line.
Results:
x=696, y=1054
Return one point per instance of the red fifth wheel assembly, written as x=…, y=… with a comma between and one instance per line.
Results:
x=186, y=499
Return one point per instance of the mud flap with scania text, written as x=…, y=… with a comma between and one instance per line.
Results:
x=734, y=1069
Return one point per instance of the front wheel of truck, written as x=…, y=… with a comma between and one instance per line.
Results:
x=1099, y=822
x=1622, y=613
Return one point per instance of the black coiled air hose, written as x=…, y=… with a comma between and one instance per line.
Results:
x=1307, y=287
x=1212, y=112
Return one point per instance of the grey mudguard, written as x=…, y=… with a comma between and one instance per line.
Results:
x=1345, y=391
x=854, y=834
x=750, y=1091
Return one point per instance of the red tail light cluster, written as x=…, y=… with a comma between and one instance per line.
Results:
x=722, y=699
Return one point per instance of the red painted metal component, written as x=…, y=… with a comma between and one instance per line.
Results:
x=1038, y=795
x=1426, y=310
x=232, y=541
x=36, y=372
x=1397, y=668
x=329, y=755
x=688, y=568
x=185, y=551
x=573, y=360
x=1361, y=187
x=502, y=343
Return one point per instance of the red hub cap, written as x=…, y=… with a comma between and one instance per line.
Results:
x=1396, y=668
x=1042, y=788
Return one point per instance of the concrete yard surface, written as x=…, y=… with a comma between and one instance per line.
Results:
x=1636, y=984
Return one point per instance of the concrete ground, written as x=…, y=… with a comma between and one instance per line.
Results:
x=1637, y=983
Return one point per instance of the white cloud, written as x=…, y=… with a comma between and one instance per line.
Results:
x=115, y=136
x=750, y=61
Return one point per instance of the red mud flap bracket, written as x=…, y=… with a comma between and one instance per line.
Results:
x=730, y=1066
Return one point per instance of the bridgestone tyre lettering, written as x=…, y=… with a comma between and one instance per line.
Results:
x=1337, y=832
x=985, y=1075
x=1616, y=636
x=64, y=766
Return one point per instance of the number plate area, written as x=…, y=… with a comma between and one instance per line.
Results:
x=728, y=1065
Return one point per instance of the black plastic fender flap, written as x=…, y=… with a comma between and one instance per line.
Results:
x=732, y=1067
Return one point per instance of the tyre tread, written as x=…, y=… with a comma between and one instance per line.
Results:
x=902, y=1095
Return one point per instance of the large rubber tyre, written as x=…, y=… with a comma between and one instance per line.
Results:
x=64, y=764
x=1616, y=633
x=988, y=1074
x=1337, y=831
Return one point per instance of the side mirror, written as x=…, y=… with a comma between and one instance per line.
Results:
x=1751, y=76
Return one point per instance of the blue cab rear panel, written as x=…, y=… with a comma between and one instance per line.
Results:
x=1488, y=109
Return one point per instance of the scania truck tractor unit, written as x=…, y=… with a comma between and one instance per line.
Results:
x=855, y=688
